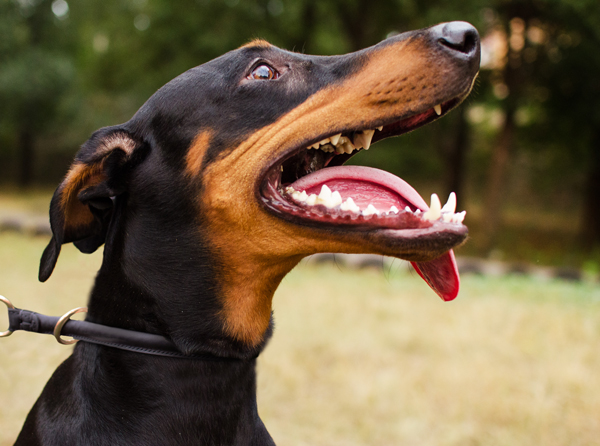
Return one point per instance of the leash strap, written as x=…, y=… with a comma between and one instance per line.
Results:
x=120, y=338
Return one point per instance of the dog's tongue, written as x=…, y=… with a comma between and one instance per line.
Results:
x=441, y=275
x=366, y=185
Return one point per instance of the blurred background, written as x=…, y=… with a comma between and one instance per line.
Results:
x=522, y=153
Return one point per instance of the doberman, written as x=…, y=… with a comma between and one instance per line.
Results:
x=217, y=187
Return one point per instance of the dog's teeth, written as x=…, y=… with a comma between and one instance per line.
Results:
x=407, y=209
x=300, y=196
x=458, y=218
x=438, y=109
x=311, y=200
x=380, y=128
x=358, y=140
x=447, y=218
x=370, y=210
x=394, y=210
x=435, y=209
x=450, y=206
x=367, y=137
x=363, y=139
x=349, y=205
x=328, y=148
x=336, y=198
x=325, y=141
x=325, y=192
x=335, y=139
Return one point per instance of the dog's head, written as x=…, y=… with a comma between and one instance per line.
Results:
x=232, y=172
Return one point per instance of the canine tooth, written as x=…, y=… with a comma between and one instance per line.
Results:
x=450, y=206
x=435, y=209
x=325, y=192
x=370, y=210
x=367, y=137
x=380, y=128
x=438, y=109
x=349, y=205
x=363, y=139
x=335, y=139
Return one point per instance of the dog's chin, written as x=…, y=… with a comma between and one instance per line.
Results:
x=310, y=187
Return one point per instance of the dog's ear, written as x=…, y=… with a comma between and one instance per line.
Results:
x=83, y=204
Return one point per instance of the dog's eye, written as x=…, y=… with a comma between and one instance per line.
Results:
x=264, y=72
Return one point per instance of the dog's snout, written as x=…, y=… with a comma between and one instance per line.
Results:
x=460, y=37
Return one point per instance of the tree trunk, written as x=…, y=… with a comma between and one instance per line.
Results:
x=591, y=202
x=25, y=158
x=497, y=177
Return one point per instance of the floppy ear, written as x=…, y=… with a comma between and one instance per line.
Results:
x=83, y=204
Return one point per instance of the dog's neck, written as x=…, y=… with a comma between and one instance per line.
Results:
x=161, y=400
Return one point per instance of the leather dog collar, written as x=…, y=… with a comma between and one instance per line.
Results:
x=135, y=341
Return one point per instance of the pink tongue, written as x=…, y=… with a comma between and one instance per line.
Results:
x=367, y=184
x=441, y=275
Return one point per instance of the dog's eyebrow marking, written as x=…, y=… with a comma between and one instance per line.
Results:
x=117, y=140
x=195, y=155
x=257, y=43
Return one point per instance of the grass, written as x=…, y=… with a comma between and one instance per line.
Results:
x=365, y=358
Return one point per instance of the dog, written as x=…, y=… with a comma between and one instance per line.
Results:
x=216, y=188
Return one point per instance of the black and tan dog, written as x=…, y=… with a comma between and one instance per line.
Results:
x=218, y=186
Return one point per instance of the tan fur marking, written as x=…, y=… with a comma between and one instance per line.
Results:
x=82, y=175
x=256, y=43
x=256, y=247
x=79, y=176
x=195, y=155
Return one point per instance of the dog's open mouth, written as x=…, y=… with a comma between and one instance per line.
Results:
x=310, y=186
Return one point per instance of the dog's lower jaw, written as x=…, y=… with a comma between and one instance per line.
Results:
x=167, y=402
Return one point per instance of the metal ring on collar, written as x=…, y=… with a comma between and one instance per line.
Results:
x=62, y=321
x=9, y=304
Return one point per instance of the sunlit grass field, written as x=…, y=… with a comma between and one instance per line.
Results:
x=371, y=358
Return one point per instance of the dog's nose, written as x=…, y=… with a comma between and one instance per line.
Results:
x=461, y=37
